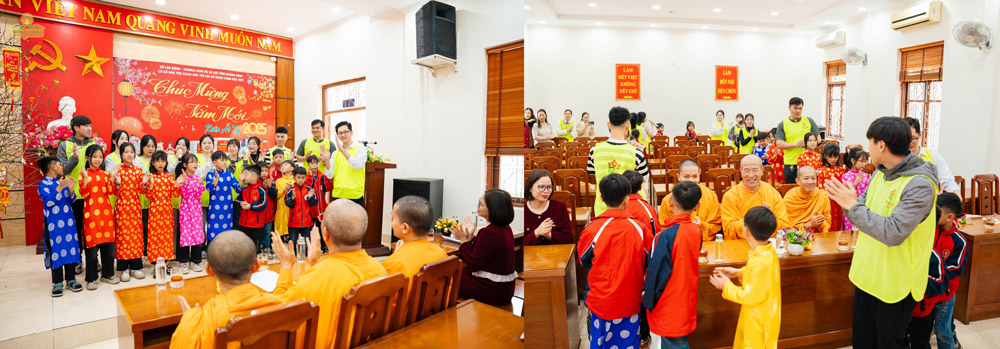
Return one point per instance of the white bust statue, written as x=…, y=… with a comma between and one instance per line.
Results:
x=67, y=107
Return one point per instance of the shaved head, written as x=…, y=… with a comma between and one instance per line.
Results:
x=232, y=255
x=688, y=170
x=806, y=178
x=346, y=222
x=805, y=170
x=751, y=160
x=750, y=167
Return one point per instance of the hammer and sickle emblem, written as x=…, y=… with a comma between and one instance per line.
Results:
x=53, y=62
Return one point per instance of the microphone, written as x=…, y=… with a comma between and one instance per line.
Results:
x=366, y=143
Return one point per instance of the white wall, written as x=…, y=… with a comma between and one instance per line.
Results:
x=429, y=126
x=573, y=67
x=970, y=83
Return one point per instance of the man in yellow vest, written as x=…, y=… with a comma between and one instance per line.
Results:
x=348, y=165
x=280, y=136
x=943, y=170
x=896, y=221
x=616, y=155
x=791, y=136
x=71, y=156
x=315, y=145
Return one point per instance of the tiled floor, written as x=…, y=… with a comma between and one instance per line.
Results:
x=983, y=334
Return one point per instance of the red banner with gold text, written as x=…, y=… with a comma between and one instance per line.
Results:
x=627, y=82
x=172, y=100
x=727, y=83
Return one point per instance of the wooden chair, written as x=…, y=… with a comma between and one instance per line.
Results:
x=784, y=188
x=767, y=171
x=570, y=200
x=545, y=145
x=600, y=139
x=962, y=194
x=828, y=141
x=433, y=289
x=569, y=146
x=661, y=138
x=869, y=169
x=657, y=145
x=681, y=138
x=708, y=157
x=573, y=181
x=580, y=151
x=985, y=188
x=671, y=177
x=703, y=138
x=852, y=146
x=371, y=310
x=548, y=163
x=728, y=172
x=735, y=161
x=529, y=156
x=675, y=150
x=674, y=160
x=721, y=183
x=714, y=143
x=579, y=162
x=694, y=151
x=583, y=140
x=559, y=141
x=683, y=143
x=276, y=326
x=558, y=153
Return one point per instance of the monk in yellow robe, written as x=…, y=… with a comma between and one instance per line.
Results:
x=411, y=221
x=231, y=256
x=807, y=206
x=750, y=193
x=326, y=282
x=706, y=215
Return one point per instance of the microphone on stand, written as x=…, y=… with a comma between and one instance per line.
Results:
x=365, y=143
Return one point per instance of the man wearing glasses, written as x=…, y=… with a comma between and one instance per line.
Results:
x=748, y=194
x=348, y=165
x=948, y=183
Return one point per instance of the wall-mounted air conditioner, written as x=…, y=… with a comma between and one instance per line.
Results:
x=834, y=39
x=916, y=16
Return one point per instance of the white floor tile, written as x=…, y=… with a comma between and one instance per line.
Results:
x=13, y=302
x=40, y=282
x=84, y=306
x=102, y=331
x=38, y=340
x=26, y=321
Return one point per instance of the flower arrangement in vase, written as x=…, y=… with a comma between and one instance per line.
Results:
x=798, y=240
x=47, y=140
x=444, y=226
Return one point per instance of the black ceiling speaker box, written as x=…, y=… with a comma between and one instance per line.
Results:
x=431, y=189
x=436, y=30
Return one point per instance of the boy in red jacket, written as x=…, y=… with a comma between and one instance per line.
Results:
x=671, y=289
x=300, y=199
x=947, y=263
x=321, y=183
x=643, y=212
x=613, y=249
x=253, y=201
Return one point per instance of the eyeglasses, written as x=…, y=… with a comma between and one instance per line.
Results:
x=341, y=133
x=544, y=187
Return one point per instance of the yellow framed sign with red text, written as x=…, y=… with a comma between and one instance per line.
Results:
x=627, y=82
x=727, y=83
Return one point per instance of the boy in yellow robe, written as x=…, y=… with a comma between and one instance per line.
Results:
x=806, y=205
x=326, y=282
x=411, y=221
x=760, y=293
x=750, y=193
x=706, y=215
x=231, y=256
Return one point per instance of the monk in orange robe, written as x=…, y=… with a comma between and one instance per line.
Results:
x=807, y=206
x=706, y=215
x=411, y=221
x=326, y=282
x=231, y=256
x=750, y=193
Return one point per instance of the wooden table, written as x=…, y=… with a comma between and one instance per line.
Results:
x=977, y=297
x=816, y=297
x=551, y=313
x=468, y=325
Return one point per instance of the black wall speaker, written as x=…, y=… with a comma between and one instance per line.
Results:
x=431, y=189
x=436, y=30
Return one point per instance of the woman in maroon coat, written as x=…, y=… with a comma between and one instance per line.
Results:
x=546, y=221
x=488, y=253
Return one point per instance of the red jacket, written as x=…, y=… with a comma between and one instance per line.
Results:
x=613, y=249
x=300, y=208
x=642, y=211
x=322, y=185
x=671, y=289
x=272, y=195
x=947, y=263
x=256, y=196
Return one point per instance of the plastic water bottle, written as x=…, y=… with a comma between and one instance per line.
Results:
x=719, y=248
x=300, y=249
x=160, y=273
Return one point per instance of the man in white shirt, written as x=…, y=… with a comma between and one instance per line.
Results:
x=948, y=183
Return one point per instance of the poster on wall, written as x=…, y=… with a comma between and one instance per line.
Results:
x=727, y=83
x=170, y=101
x=627, y=82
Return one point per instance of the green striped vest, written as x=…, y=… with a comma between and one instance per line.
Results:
x=611, y=158
x=81, y=156
x=794, y=131
x=568, y=127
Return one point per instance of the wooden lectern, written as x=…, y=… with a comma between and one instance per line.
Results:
x=374, y=197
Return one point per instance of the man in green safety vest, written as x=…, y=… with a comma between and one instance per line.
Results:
x=315, y=145
x=896, y=223
x=70, y=153
x=348, y=165
x=791, y=136
x=616, y=155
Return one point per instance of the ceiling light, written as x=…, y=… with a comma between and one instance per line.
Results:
x=656, y=7
x=599, y=23
x=862, y=9
x=652, y=25
x=827, y=22
x=336, y=9
x=592, y=5
x=234, y=17
x=704, y=27
x=755, y=29
x=291, y=29
x=161, y=2
x=526, y=7
x=541, y=22
x=775, y=13
x=716, y=10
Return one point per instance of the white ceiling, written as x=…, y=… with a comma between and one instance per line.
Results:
x=792, y=15
x=272, y=17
